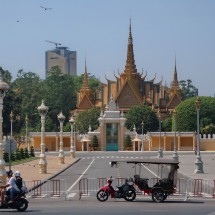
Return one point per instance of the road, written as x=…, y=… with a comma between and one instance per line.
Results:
x=96, y=165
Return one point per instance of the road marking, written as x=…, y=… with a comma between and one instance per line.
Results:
x=81, y=175
x=71, y=195
x=154, y=211
x=151, y=171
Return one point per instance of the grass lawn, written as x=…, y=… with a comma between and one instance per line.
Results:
x=22, y=161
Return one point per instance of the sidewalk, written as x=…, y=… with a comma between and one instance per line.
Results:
x=30, y=170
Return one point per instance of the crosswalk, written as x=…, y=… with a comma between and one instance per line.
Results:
x=113, y=157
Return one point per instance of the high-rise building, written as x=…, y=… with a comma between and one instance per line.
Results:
x=65, y=59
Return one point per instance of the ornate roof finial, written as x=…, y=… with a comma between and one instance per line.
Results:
x=130, y=35
x=175, y=78
x=130, y=67
x=85, y=75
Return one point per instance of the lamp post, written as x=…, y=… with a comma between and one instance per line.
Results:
x=198, y=161
x=142, y=146
x=26, y=134
x=175, y=155
x=3, y=89
x=61, y=119
x=42, y=109
x=160, y=152
x=11, y=135
x=72, y=146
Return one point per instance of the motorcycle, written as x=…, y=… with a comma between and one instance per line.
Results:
x=19, y=202
x=126, y=191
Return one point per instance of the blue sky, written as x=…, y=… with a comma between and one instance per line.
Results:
x=98, y=29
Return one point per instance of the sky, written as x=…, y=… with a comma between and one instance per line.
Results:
x=162, y=30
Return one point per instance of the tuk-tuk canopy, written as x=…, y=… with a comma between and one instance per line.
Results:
x=166, y=161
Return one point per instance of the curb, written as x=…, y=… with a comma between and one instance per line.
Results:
x=53, y=176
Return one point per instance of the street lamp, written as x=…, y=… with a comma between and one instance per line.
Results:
x=11, y=135
x=3, y=89
x=61, y=119
x=142, y=146
x=26, y=139
x=198, y=161
x=175, y=155
x=160, y=152
x=42, y=109
x=72, y=146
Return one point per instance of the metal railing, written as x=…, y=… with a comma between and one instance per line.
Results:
x=47, y=188
x=185, y=187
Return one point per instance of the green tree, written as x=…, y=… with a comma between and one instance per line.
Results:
x=128, y=142
x=59, y=95
x=167, y=124
x=186, y=118
x=22, y=154
x=138, y=114
x=209, y=129
x=21, y=98
x=86, y=119
x=32, y=154
x=6, y=157
x=26, y=152
x=18, y=155
x=13, y=156
x=95, y=142
x=188, y=90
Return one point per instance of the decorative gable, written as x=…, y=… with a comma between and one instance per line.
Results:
x=174, y=101
x=85, y=103
x=127, y=98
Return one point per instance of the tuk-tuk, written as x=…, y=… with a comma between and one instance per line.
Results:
x=165, y=182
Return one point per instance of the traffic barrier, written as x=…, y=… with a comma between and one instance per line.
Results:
x=55, y=184
x=185, y=187
x=197, y=190
x=47, y=188
x=213, y=194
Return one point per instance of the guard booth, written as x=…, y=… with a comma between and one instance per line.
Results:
x=112, y=128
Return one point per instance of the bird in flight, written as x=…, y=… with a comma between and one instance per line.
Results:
x=46, y=8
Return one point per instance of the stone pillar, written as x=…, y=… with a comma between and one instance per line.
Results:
x=194, y=140
x=164, y=136
x=56, y=143
x=149, y=139
x=179, y=141
x=82, y=146
x=42, y=109
x=122, y=127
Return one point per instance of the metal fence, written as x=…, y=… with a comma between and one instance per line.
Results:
x=185, y=187
x=47, y=188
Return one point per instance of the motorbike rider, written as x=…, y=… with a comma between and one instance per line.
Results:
x=10, y=188
x=18, y=180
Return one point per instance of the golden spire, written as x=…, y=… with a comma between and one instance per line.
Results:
x=175, y=79
x=130, y=66
x=85, y=85
x=130, y=40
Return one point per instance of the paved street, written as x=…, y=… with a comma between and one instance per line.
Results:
x=96, y=165
x=92, y=207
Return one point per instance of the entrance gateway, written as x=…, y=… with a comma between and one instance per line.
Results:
x=112, y=128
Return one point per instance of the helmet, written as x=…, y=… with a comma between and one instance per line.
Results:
x=9, y=173
x=17, y=173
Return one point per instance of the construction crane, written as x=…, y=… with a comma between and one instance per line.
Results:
x=56, y=44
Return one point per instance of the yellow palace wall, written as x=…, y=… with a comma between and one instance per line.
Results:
x=184, y=142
